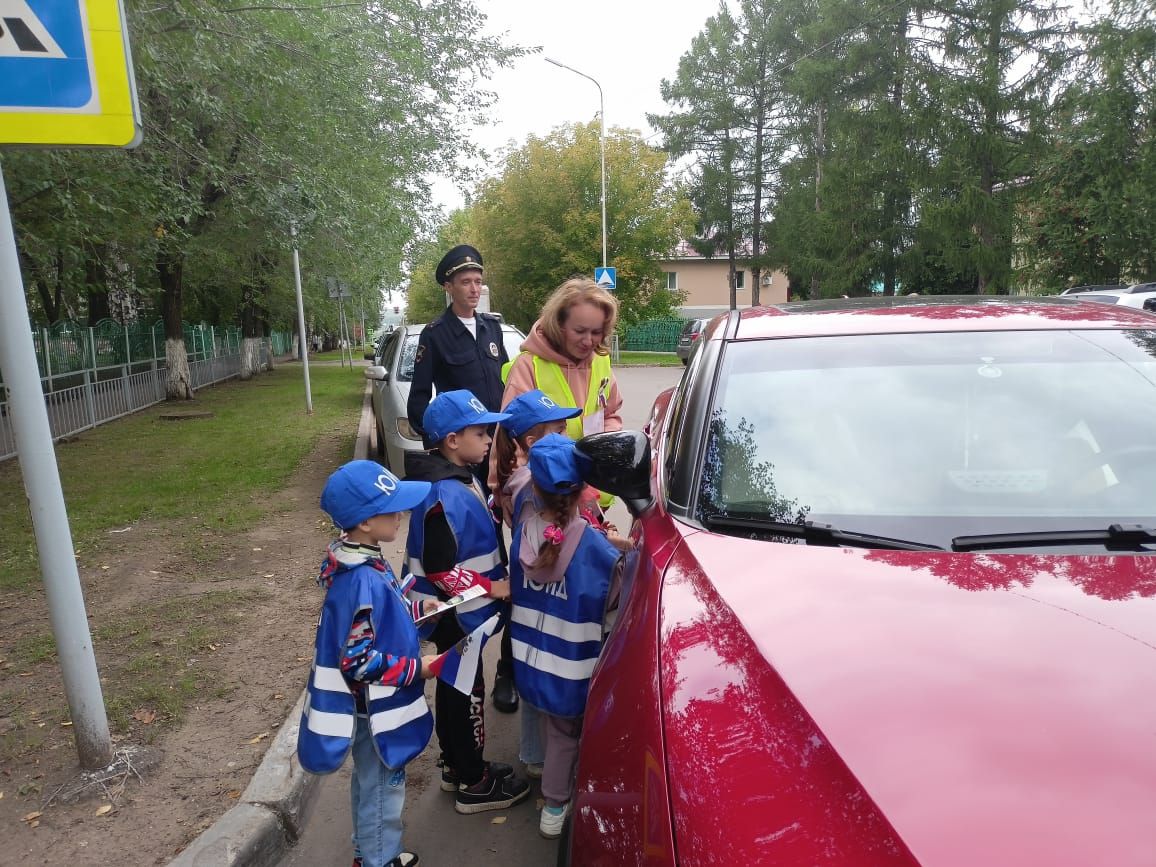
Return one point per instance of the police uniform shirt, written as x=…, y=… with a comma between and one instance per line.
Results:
x=449, y=357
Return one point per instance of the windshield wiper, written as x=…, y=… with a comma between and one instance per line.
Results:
x=815, y=533
x=1121, y=536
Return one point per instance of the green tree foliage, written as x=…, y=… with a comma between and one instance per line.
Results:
x=901, y=146
x=331, y=115
x=1088, y=211
x=539, y=222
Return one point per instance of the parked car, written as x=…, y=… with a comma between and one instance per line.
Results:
x=1142, y=295
x=893, y=596
x=690, y=333
x=1094, y=287
x=392, y=373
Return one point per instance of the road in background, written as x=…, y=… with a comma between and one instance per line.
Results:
x=439, y=835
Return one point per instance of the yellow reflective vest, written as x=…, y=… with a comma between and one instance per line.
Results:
x=551, y=379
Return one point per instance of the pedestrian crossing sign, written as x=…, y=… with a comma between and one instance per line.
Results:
x=66, y=74
x=606, y=278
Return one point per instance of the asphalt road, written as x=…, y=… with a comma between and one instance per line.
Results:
x=439, y=835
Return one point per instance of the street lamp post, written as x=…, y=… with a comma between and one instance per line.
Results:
x=602, y=143
x=302, y=346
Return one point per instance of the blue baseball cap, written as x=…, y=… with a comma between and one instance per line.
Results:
x=452, y=411
x=359, y=490
x=554, y=465
x=532, y=408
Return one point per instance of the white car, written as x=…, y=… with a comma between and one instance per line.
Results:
x=1142, y=295
x=391, y=374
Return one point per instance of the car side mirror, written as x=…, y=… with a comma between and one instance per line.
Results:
x=377, y=372
x=618, y=462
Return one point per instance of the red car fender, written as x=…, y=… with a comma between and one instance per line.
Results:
x=622, y=803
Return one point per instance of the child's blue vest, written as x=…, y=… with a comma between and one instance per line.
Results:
x=472, y=524
x=398, y=716
x=556, y=628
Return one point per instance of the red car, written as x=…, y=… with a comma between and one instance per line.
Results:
x=894, y=596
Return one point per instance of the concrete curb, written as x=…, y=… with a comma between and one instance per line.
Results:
x=271, y=812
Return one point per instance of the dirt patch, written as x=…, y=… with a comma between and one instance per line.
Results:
x=203, y=644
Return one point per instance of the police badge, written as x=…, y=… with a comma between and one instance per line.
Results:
x=493, y=349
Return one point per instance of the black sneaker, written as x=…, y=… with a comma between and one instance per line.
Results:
x=492, y=793
x=405, y=859
x=505, y=695
x=450, y=779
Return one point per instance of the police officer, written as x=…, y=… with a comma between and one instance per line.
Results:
x=461, y=348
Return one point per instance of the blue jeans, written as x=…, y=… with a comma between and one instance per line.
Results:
x=531, y=750
x=377, y=794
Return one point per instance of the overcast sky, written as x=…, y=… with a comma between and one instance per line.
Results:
x=629, y=46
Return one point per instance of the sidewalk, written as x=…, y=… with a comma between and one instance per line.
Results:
x=272, y=811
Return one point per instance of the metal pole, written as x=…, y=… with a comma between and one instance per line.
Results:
x=302, y=348
x=601, y=141
x=46, y=504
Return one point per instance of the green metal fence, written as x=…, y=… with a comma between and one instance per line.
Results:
x=65, y=348
x=654, y=335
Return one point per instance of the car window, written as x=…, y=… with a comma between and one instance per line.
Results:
x=929, y=436
x=512, y=338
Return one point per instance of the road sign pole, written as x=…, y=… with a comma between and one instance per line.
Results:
x=46, y=503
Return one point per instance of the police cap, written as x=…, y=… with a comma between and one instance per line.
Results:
x=460, y=257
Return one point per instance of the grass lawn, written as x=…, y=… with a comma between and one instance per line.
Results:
x=203, y=471
x=648, y=359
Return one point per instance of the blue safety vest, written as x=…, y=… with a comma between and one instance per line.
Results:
x=472, y=524
x=556, y=628
x=399, y=717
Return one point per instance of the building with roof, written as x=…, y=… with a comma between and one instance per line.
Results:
x=703, y=282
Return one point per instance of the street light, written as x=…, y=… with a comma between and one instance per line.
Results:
x=302, y=346
x=602, y=143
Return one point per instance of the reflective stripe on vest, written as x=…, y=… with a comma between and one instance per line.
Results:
x=402, y=721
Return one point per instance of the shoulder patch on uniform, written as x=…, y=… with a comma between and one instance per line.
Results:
x=419, y=355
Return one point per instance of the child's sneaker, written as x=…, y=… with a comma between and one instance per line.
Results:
x=450, y=779
x=550, y=825
x=534, y=770
x=491, y=793
x=403, y=859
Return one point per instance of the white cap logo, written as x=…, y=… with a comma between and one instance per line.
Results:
x=546, y=402
x=477, y=406
x=386, y=483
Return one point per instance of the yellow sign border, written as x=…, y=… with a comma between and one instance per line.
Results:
x=118, y=122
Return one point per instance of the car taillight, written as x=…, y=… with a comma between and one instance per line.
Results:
x=406, y=430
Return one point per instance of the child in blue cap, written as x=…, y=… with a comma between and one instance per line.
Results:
x=453, y=545
x=563, y=572
x=367, y=662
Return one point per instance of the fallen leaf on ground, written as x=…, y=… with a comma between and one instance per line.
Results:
x=258, y=739
x=234, y=794
x=105, y=810
x=145, y=715
x=256, y=549
x=66, y=723
x=35, y=823
x=268, y=575
x=498, y=820
x=31, y=817
x=278, y=695
x=212, y=647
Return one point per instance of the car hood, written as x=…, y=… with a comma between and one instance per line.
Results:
x=903, y=707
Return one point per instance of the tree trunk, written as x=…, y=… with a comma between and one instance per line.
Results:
x=96, y=283
x=757, y=221
x=178, y=378
x=250, y=334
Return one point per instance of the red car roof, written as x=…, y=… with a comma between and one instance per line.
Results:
x=930, y=313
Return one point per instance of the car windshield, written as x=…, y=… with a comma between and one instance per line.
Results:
x=927, y=437
x=511, y=337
